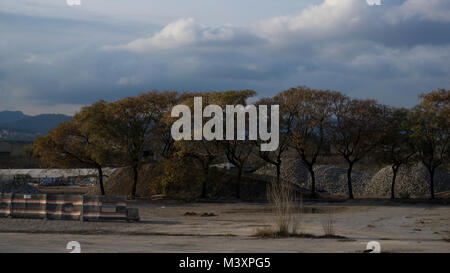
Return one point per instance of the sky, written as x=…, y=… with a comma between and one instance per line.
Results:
x=55, y=57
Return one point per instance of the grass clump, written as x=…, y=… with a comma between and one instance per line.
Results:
x=288, y=209
x=328, y=224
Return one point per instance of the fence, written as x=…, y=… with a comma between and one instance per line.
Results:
x=66, y=207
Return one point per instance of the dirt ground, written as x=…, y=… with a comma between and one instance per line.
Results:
x=165, y=227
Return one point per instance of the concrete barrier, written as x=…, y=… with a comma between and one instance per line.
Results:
x=5, y=204
x=104, y=208
x=66, y=207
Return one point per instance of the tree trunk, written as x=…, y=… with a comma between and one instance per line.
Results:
x=135, y=180
x=238, y=184
x=394, y=177
x=349, y=181
x=100, y=180
x=278, y=172
x=432, y=182
x=313, y=183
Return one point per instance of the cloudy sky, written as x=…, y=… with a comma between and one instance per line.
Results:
x=55, y=58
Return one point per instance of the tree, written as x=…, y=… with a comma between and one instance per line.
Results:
x=309, y=113
x=275, y=158
x=437, y=101
x=76, y=143
x=98, y=146
x=165, y=142
x=236, y=151
x=396, y=147
x=430, y=125
x=134, y=125
x=355, y=132
x=203, y=151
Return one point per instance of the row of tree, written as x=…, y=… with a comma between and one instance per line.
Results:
x=312, y=123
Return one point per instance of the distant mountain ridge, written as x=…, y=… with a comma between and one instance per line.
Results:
x=11, y=116
x=16, y=126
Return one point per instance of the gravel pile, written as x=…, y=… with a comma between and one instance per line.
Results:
x=329, y=178
x=411, y=181
x=292, y=170
x=17, y=187
x=333, y=179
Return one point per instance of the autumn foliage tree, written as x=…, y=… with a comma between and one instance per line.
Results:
x=430, y=126
x=127, y=131
x=134, y=125
x=236, y=151
x=310, y=114
x=77, y=143
x=396, y=147
x=356, y=131
x=286, y=118
x=204, y=152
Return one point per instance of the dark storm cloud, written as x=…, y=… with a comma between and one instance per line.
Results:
x=390, y=53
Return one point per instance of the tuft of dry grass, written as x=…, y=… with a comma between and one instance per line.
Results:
x=287, y=208
x=328, y=224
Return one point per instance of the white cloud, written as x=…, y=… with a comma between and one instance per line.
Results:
x=185, y=33
x=326, y=20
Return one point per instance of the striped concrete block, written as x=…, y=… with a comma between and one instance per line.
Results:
x=28, y=205
x=64, y=207
x=104, y=208
x=5, y=204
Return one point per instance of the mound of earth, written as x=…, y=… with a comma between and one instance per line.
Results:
x=329, y=178
x=120, y=182
x=411, y=181
x=182, y=180
x=18, y=187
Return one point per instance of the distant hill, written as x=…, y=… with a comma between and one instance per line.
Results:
x=14, y=125
x=11, y=116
